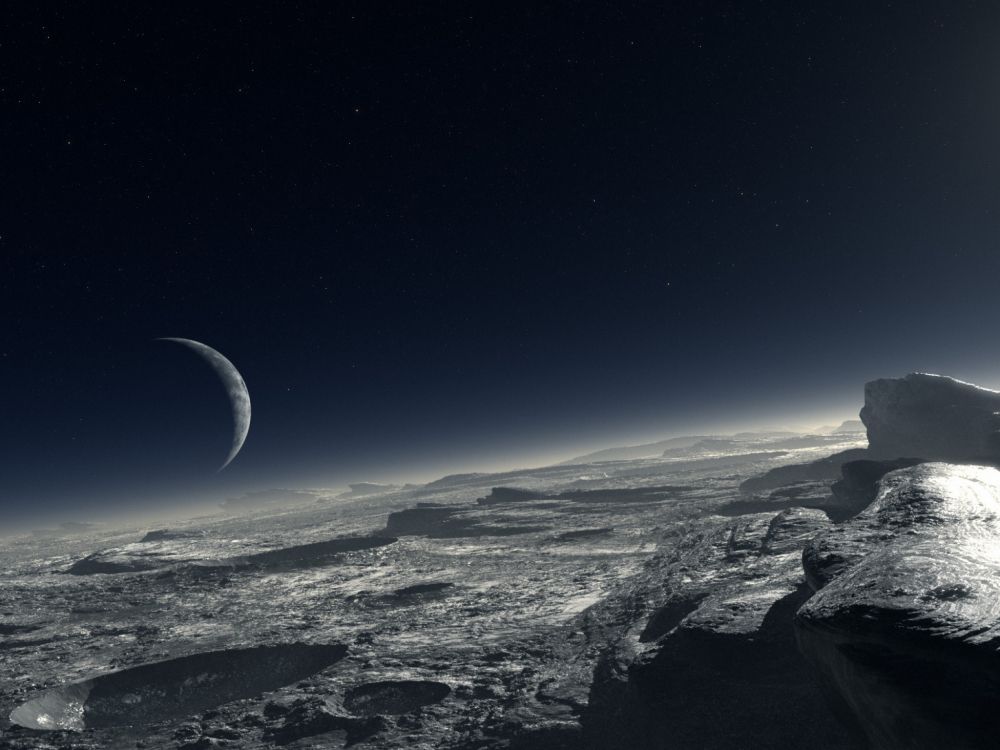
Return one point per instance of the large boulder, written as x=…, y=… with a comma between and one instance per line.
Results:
x=905, y=624
x=932, y=417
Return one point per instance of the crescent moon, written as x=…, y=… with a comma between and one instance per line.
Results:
x=236, y=388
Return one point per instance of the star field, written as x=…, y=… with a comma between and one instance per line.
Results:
x=459, y=235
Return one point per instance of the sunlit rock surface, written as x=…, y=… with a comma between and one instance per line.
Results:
x=932, y=417
x=905, y=624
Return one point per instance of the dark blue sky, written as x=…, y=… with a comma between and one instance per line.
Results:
x=453, y=235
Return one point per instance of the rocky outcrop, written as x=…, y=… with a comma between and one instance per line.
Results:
x=717, y=658
x=110, y=561
x=453, y=522
x=147, y=554
x=858, y=485
x=417, y=521
x=905, y=623
x=315, y=552
x=790, y=487
x=417, y=590
x=509, y=495
x=823, y=469
x=314, y=717
x=932, y=417
x=155, y=555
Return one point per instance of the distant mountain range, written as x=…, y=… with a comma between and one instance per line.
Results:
x=631, y=452
x=849, y=425
x=692, y=444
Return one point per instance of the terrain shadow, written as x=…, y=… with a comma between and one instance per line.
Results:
x=715, y=691
x=174, y=688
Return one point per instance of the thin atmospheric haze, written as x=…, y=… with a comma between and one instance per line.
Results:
x=450, y=237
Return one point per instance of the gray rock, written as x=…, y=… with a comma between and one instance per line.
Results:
x=858, y=485
x=305, y=553
x=114, y=561
x=432, y=588
x=723, y=638
x=509, y=495
x=840, y=500
x=932, y=417
x=824, y=469
x=450, y=523
x=314, y=717
x=391, y=697
x=905, y=624
x=417, y=521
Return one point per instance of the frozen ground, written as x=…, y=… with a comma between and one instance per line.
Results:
x=516, y=622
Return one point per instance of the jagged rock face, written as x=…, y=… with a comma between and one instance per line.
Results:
x=932, y=417
x=906, y=622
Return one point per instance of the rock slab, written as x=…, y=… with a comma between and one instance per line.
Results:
x=905, y=623
x=932, y=417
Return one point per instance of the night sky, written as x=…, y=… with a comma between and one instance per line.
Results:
x=439, y=237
